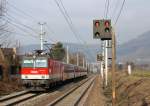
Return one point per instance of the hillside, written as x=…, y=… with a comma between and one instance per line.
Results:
x=73, y=48
x=136, y=50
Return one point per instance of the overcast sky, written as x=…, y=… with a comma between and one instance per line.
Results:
x=134, y=19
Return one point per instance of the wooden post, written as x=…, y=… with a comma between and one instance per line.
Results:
x=113, y=68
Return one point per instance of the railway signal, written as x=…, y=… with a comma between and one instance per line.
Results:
x=102, y=29
x=96, y=29
x=106, y=30
x=99, y=57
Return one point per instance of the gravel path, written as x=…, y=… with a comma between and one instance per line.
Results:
x=96, y=97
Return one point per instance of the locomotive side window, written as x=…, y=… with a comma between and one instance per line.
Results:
x=27, y=63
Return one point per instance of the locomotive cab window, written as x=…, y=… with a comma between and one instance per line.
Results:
x=40, y=63
x=27, y=63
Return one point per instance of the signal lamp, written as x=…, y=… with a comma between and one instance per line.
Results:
x=107, y=24
x=97, y=24
x=107, y=30
x=97, y=34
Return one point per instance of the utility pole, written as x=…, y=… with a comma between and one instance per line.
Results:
x=113, y=68
x=42, y=33
x=83, y=62
x=77, y=59
x=102, y=62
x=106, y=62
x=67, y=54
x=86, y=64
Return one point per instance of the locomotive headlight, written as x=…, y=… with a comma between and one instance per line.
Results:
x=26, y=77
x=43, y=76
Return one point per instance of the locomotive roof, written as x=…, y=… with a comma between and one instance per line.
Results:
x=36, y=56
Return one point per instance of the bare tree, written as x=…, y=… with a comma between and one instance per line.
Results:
x=3, y=33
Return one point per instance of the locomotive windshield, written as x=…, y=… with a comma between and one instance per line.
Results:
x=27, y=63
x=38, y=62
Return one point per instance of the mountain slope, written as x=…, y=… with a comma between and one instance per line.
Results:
x=136, y=50
x=89, y=51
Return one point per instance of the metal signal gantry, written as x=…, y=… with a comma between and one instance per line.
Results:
x=99, y=57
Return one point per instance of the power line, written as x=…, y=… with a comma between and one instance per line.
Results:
x=49, y=28
x=27, y=15
x=107, y=9
x=17, y=22
x=21, y=11
x=17, y=33
x=51, y=32
x=9, y=21
x=66, y=11
x=3, y=34
x=120, y=12
x=84, y=42
x=115, y=8
x=63, y=13
x=69, y=22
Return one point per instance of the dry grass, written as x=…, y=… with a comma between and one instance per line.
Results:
x=141, y=73
x=9, y=87
x=133, y=90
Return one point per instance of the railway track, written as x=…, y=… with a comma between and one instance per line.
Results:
x=14, y=99
x=74, y=95
x=27, y=98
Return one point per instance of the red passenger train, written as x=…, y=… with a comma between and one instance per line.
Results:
x=40, y=72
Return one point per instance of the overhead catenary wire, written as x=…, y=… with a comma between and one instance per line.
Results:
x=2, y=28
x=18, y=22
x=4, y=34
x=120, y=12
x=115, y=8
x=52, y=33
x=9, y=21
x=29, y=16
x=24, y=35
x=16, y=25
x=107, y=8
x=22, y=29
x=13, y=21
x=22, y=12
x=66, y=11
x=74, y=27
x=70, y=23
